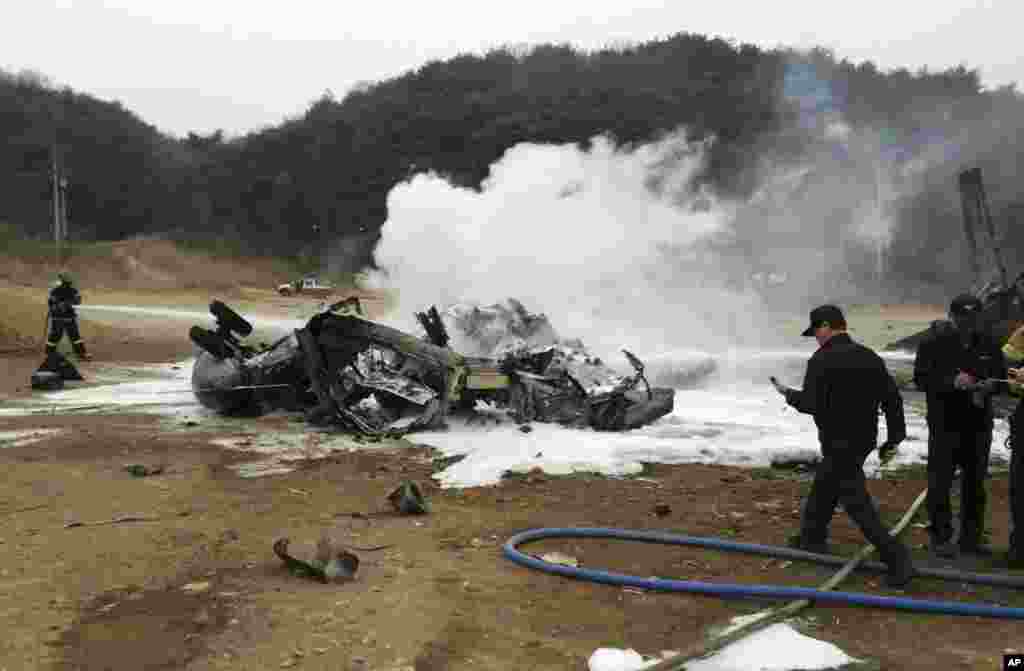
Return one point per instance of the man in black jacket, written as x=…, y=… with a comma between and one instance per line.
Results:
x=63, y=299
x=845, y=385
x=955, y=367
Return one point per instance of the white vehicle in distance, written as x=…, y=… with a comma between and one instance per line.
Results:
x=309, y=285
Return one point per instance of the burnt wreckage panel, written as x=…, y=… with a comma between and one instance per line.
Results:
x=342, y=368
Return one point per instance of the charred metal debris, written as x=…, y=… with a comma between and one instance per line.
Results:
x=343, y=369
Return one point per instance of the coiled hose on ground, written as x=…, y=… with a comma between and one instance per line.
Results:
x=511, y=552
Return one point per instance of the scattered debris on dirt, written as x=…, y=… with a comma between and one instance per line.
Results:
x=143, y=471
x=117, y=520
x=24, y=510
x=535, y=475
x=196, y=587
x=331, y=563
x=408, y=499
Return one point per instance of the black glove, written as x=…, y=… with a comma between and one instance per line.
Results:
x=982, y=390
x=991, y=387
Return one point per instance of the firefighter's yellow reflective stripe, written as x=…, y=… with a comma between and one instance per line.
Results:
x=1016, y=340
x=1012, y=353
x=76, y=342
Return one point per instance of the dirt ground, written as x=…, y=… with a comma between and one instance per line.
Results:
x=194, y=585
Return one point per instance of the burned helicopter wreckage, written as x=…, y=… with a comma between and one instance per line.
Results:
x=342, y=368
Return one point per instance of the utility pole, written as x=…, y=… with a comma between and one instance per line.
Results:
x=59, y=187
x=55, y=184
x=63, y=208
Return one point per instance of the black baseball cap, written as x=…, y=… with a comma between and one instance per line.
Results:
x=822, y=314
x=964, y=305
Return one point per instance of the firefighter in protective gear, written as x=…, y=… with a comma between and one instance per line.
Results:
x=63, y=299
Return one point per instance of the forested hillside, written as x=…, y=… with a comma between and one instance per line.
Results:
x=326, y=174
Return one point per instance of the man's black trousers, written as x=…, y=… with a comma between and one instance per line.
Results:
x=968, y=449
x=839, y=478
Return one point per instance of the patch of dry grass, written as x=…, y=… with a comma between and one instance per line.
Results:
x=879, y=325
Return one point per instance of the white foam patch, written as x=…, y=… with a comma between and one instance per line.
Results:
x=26, y=437
x=738, y=423
x=166, y=389
x=613, y=659
x=777, y=647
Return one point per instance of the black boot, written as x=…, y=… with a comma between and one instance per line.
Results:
x=899, y=564
x=974, y=544
x=946, y=549
x=976, y=549
x=817, y=547
x=900, y=574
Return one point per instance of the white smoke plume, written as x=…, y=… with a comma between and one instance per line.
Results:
x=605, y=242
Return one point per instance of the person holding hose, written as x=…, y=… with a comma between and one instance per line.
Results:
x=63, y=299
x=845, y=385
x=958, y=367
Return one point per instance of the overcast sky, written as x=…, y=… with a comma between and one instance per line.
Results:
x=240, y=65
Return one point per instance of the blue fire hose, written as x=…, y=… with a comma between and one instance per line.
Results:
x=511, y=552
